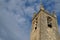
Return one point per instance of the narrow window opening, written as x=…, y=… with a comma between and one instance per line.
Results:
x=35, y=28
x=49, y=22
x=36, y=18
x=36, y=22
x=50, y=25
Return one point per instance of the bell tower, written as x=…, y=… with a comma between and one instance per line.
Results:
x=44, y=26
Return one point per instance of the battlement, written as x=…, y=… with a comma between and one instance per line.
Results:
x=46, y=12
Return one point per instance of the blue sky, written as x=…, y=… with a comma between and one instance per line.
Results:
x=16, y=17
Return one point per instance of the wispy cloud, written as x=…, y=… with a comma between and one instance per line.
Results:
x=15, y=20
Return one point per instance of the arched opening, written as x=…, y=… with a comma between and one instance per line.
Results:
x=49, y=23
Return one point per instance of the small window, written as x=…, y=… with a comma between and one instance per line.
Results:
x=35, y=28
x=36, y=22
x=36, y=18
x=49, y=23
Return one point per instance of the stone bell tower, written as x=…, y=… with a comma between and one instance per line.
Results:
x=44, y=26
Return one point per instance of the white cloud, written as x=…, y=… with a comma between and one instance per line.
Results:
x=14, y=15
x=10, y=30
x=29, y=11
